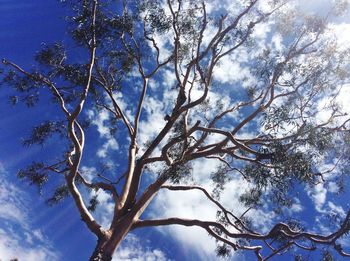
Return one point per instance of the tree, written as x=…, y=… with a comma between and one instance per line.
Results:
x=276, y=96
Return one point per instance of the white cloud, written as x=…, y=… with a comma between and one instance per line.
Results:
x=341, y=32
x=261, y=30
x=277, y=42
x=99, y=119
x=132, y=249
x=18, y=237
x=110, y=144
x=318, y=194
x=154, y=120
x=11, y=205
x=12, y=246
x=325, y=105
x=163, y=42
x=230, y=70
x=88, y=173
x=296, y=207
x=169, y=78
x=104, y=209
x=193, y=204
x=323, y=206
x=338, y=210
x=333, y=187
x=189, y=204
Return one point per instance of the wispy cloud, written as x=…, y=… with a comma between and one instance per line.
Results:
x=194, y=205
x=18, y=237
x=132, y=249
x=100, y=120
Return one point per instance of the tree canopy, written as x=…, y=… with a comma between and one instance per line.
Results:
x=159, y=98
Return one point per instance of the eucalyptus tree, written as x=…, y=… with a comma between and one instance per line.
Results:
x=265, y=127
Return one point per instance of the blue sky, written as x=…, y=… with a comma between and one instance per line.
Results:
x=25, y=26
x=31, y=230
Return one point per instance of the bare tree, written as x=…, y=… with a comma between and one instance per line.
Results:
x=277, y=101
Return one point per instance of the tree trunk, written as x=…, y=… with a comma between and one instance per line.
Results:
x=105, y=248
x=100, y=253
x=121, y=227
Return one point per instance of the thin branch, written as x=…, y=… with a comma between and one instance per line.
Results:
x=226, y=212
x=100, y=185
x=43, y=79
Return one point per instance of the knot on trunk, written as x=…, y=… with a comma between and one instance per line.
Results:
x=99, y=255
